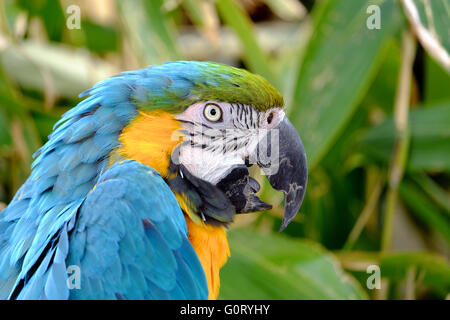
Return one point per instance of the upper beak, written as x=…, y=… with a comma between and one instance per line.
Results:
x=286, y=167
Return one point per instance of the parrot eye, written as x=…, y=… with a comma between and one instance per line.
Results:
x=212, y=112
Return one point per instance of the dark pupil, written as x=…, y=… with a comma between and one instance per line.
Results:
x=213, y=112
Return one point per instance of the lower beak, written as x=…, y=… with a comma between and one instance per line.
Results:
x=285, y=166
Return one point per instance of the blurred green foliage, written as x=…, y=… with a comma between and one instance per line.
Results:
x=344, y=86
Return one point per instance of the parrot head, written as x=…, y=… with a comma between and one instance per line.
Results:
x=201, y=125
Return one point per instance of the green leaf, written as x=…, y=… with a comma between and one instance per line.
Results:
x=161, y=25
x=194, y=11
x=338, y=67
x=382, y=91
x=433, y=270
x=277, y=267
x=430, y=139
x=434, y=191
x=51, y=14
x=100, y=38
x=425, y=210
x=255, y=58
x=437, y=82
x=148, y=30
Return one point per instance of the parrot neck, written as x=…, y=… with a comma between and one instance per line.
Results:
x=150, y=139
x=211, y=245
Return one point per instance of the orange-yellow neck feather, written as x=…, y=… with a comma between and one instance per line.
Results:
x=150, y=139
x=211, y=245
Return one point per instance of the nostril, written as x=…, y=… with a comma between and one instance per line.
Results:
x=270, y=118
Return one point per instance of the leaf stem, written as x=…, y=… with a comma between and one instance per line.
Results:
x=366, y=213
x=401, y=146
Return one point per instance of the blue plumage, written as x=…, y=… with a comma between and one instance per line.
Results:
x=128, y=235
x=134, y=265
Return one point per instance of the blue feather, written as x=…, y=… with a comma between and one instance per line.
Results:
x=147, y=254
x=83, y=128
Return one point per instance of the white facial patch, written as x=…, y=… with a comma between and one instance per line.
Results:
x=211, y=149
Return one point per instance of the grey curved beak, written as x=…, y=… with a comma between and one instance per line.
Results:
x=282, y=157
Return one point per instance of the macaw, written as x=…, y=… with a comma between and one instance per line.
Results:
x=137, y=184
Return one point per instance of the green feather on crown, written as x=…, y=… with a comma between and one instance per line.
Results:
x=173, y=86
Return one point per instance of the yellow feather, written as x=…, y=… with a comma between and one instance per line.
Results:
x=150, y=139
x=211, y=245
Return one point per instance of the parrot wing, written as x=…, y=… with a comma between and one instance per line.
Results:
x=127, y=238
x=130, y=240
x=33, y=247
